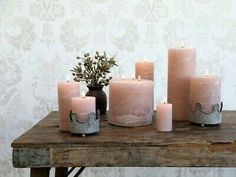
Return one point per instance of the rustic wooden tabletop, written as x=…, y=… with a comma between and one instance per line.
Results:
x=188, y=145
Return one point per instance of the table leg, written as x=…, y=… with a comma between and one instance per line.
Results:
x=79, y=172
x=39, y=172
x=61, y=172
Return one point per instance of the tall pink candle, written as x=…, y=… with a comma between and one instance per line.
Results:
x=164, y=117
x=144, y=69
x=66, y=90
x=181, y=67
x=130, y=102
x=205, y=90
x=83, y=106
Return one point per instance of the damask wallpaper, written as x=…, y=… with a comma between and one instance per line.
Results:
x=40, y=39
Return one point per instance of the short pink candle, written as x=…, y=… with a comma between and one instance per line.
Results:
x=83, y=106
x=130, y=102
x=181, y=67
x=205, y=90
x=164, y=117
x=144, y=69
x=66, y=90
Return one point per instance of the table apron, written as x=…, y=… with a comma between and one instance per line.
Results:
x=191, y=155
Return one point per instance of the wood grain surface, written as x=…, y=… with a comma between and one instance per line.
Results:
x=188, y=145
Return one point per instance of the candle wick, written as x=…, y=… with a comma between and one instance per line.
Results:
x=123, y=77
x=182, y=44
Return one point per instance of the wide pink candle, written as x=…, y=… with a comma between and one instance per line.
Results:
x=130, y=102
x=164, y=117
x=66, y=90
x=181, y=67
x=144, y=69
x=83, y=106
x=205, y=90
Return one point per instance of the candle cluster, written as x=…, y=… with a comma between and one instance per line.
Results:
x=131, y=101
x=66, y=91
x=69, y=99
x=194, y=98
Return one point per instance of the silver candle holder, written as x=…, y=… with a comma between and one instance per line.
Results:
x=90, y=126
x=198, y=116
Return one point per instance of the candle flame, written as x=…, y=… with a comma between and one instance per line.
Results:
x=68, y=78
x=133, y=76
x=182, y=43
x=207, y=72
x=164, y=100
x=83, y=94
x=123, y=77
x=139, y=78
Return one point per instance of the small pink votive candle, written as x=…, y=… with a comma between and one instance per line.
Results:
x=164, y=117
x=83, y=106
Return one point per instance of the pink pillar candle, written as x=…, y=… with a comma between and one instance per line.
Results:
x=83, y=106
x=164, y=117
x=66, y=90
x=144, y=69
x=205, y=90
x=130, y=102
x=181, y=67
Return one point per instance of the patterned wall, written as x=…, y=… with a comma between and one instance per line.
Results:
x=39, y=40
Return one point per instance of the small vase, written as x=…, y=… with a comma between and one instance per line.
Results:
x=101, y=97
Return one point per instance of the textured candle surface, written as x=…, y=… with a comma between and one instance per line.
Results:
x=83, y=106
x=130, y=102
x=205, y=90
x=144, y=69
x=164, y=117
x=66, y=90
x=181, y=67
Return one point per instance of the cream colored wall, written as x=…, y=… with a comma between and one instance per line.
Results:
x=39, y=40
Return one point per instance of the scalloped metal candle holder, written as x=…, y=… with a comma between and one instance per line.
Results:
x=90, y=126
x=198, y=116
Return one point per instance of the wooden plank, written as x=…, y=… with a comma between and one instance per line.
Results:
x=189, y=155
x=46, y=134
x=39, y=172
x=31, y=157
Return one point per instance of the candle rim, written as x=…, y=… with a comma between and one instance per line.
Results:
x=164, y=104
x=185, y=48
x=142, y=61
x=131, y=79
x=205, y=76
x=65, y=81
x=82, y=97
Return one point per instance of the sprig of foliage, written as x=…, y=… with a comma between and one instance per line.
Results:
x=94, y=70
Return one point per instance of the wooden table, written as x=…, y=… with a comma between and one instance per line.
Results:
x=44, y=146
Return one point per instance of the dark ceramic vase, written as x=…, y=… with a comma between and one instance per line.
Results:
x=101, y=97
